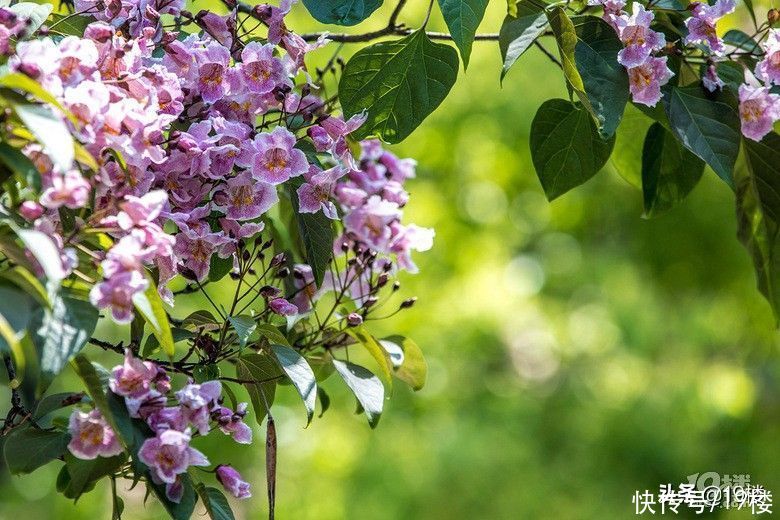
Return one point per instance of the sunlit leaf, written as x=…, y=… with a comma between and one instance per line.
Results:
x=519, y=31
x=301, y=375
x=150, y=306
x=366, y=386
x=398, y=83
x=462, y=18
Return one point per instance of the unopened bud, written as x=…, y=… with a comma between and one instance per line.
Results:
x=278, y=259
x=406, y=304
x=773, y=16
x=283, y=273
x=354, y=319
x=396, y=285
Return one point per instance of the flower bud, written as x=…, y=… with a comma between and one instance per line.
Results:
x=354, y=319
x=278, y=259
x=407, y=303
x=773, y=16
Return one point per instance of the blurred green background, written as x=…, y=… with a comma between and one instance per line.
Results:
x=577, y=352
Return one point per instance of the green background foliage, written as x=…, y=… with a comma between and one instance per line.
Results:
x=576, y=351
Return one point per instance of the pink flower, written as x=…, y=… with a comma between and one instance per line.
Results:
x=211, y=73
x=232, y=481
x=169, y=454
x=711, y=80
x=758, y=110
x=283, y=307
x=646, y=80
x=316, y=194
x=232, y=423
x=167, y=418
x=133, y=378
x=91, y=436
x=370, y=222
x=117, y=293
x=701, y=26
x=407, y=239
x=197, y=401
x=306, y=290
x=260, y=70
x=276, y=160
x=244, y=198
x=70, y=190
x=195, y=248
x=141, y=211
x=30, y=210
x=640, y=41
x=768, y=69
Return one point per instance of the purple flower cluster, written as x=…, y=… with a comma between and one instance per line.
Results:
x=190, y=158
x=759, y=106
x=646, y=72
x=195, y=409
x=702, y=24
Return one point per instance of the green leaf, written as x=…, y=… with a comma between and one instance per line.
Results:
x=413, y=369
x=60, y=333
x=376, y=350
x=626, y=157
x=566, y=148
x=566, y=38
x=201, y=319
x=219, y=267
x=72, y=25
x=758, y=213
x=45, y=252
x=184, y=509
x=669, y=171
x=263, y=369
x=83, y=474
x=244, y=326
x=741, y=40
x=150, y=306
x=708, y=125
x=152, y=345
x=35, y=14
x=301, y=375
x=54, y=402
x=27, y=449
x=341, y=12
x=316, y=234
x=366, y=386
x=462, y=18
x=20, y=165
x=398, y=83
x=203, y=373
x=215, y=502
x=519, y=32
x=324, y=400
x=16, y=311
x=669, y=5
x=272, y=334
x=94, y=385
x=49, y=129
x=605, y=81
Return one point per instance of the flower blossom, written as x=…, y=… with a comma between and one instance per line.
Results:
x=702, y=24
x=91, y=436
x=645, y=81
x=640, y=41
x=232, y=481
x=758, y=110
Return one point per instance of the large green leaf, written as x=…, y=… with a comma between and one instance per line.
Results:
x=341, y=12
x=758, y=213
x=301, y=375
x=316, y=235
x=398, y=83
x=45, y=252
x=60, y=333
x=83, y=474
x=566, y=37
x=20, y=165
x=413, y=369
x=263, y=371
x=669, y=171
x=27, y=449
x=150, y=306
x=708, y=125
x=16, y=311
x=366, y=386
x=566, y=148
x=462, y=18
x=376, y=350
x=244, y=326
x=215, y=502
x=627, y=155
x=35, y=14
x=605, y=81
x=519, y=32
x=49, y=129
